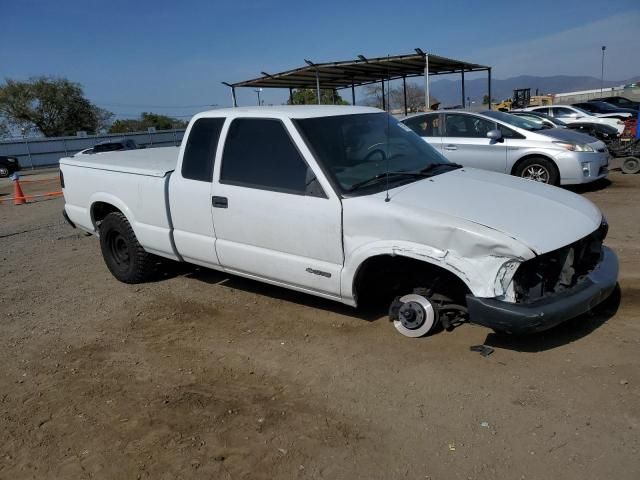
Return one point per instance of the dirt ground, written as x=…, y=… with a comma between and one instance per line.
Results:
x=202, y=375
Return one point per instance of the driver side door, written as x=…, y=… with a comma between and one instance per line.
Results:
x=275, y=215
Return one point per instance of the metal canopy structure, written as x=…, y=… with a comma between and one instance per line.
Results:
x=364, y=71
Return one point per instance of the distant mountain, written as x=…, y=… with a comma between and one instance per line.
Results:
x=449, y=93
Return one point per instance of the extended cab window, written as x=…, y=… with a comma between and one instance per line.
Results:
x=425, y=125
x=200, y=152
x=259, y=153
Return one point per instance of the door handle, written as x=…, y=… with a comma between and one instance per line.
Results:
x=450, y=147
x=219, y=202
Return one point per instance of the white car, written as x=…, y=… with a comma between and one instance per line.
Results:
x=346, y=203
x=569, y=114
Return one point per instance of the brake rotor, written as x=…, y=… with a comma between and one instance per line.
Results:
x=413, y=315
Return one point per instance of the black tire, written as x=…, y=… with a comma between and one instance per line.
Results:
x=124, y=256
x=538, y=169
x=4, y=172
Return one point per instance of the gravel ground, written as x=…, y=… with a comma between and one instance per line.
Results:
x=203, y=375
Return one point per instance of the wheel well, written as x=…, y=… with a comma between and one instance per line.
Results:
x=530, y=156
x=381, y=278
x=99, y=210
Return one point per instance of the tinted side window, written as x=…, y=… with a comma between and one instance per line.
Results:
x=562, y=112
x=200, y=152
x=260, y=154
x=508, y=133
x=544, y=110
x=470, y=126
x=425, y=125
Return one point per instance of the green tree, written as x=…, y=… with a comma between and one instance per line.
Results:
x=53, y=106
x=147, y=120
x=307, y=96
x=395, y=98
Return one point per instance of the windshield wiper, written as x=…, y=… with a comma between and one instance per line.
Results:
x=430, y=169
x=382, y=175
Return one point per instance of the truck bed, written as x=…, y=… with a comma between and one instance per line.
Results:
x=153, y=162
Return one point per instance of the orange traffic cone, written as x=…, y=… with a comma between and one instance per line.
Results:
x=18, y=196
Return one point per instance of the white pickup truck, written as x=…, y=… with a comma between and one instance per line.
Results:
x=346, y=203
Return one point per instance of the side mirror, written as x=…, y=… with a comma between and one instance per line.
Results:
x=495, y=135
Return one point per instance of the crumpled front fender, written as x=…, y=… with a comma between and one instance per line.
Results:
x=485, y=272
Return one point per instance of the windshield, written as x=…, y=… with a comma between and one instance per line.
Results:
x=358, y=150
x=519, y=122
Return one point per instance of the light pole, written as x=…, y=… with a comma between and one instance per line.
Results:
x=258, y=90
x=602, y=72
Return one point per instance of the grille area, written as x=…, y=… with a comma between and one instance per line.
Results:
x=560, y=269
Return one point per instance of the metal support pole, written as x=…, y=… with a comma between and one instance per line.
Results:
x=489, y=86
x=427, y=99
x=602, y=72
x=463, y=95
x=318, y=85
x=353, y=93
x=233, y=96
x=26, y=142
x=384, y=104
x=404, y=91
x=333, y=96
x=290, y=96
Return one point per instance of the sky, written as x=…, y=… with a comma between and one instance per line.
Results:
x=171, y=56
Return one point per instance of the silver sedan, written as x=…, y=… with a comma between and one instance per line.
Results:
x=505, y=143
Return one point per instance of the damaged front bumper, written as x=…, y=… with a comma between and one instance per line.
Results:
x=551, y=310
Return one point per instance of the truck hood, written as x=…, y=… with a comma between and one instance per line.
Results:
x=542, y=217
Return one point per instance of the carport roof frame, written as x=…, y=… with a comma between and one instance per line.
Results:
x=363, y=71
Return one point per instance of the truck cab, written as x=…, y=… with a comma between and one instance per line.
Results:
x=346, y=203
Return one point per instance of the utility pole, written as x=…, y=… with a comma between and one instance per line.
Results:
x=602, y=72
x=258, y=90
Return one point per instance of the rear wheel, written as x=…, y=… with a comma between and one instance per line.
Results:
x=124, y=256
x=4, y=172
x=539, y=170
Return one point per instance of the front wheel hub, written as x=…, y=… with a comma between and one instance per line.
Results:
x=413, y=315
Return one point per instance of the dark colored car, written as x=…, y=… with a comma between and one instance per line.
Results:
x=604, y=108
x=619, y=102
x=8, y=165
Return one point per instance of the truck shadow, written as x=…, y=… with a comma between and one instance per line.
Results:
x=563, y=334
x=370, y=313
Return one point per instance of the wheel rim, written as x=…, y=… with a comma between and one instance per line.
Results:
x=119, y=250
x=4, y=172
x=537, y=173
x=630, y=164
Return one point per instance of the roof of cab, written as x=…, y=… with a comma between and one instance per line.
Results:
x=289, y=111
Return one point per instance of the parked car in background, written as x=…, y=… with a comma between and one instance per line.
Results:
x=604, y=109
x=506, y=143
x=606, y=133
x=8, y=165
x=619, y=102
x=110, y=146
x=569, y=114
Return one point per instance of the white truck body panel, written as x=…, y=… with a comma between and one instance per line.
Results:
x=478, y=225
